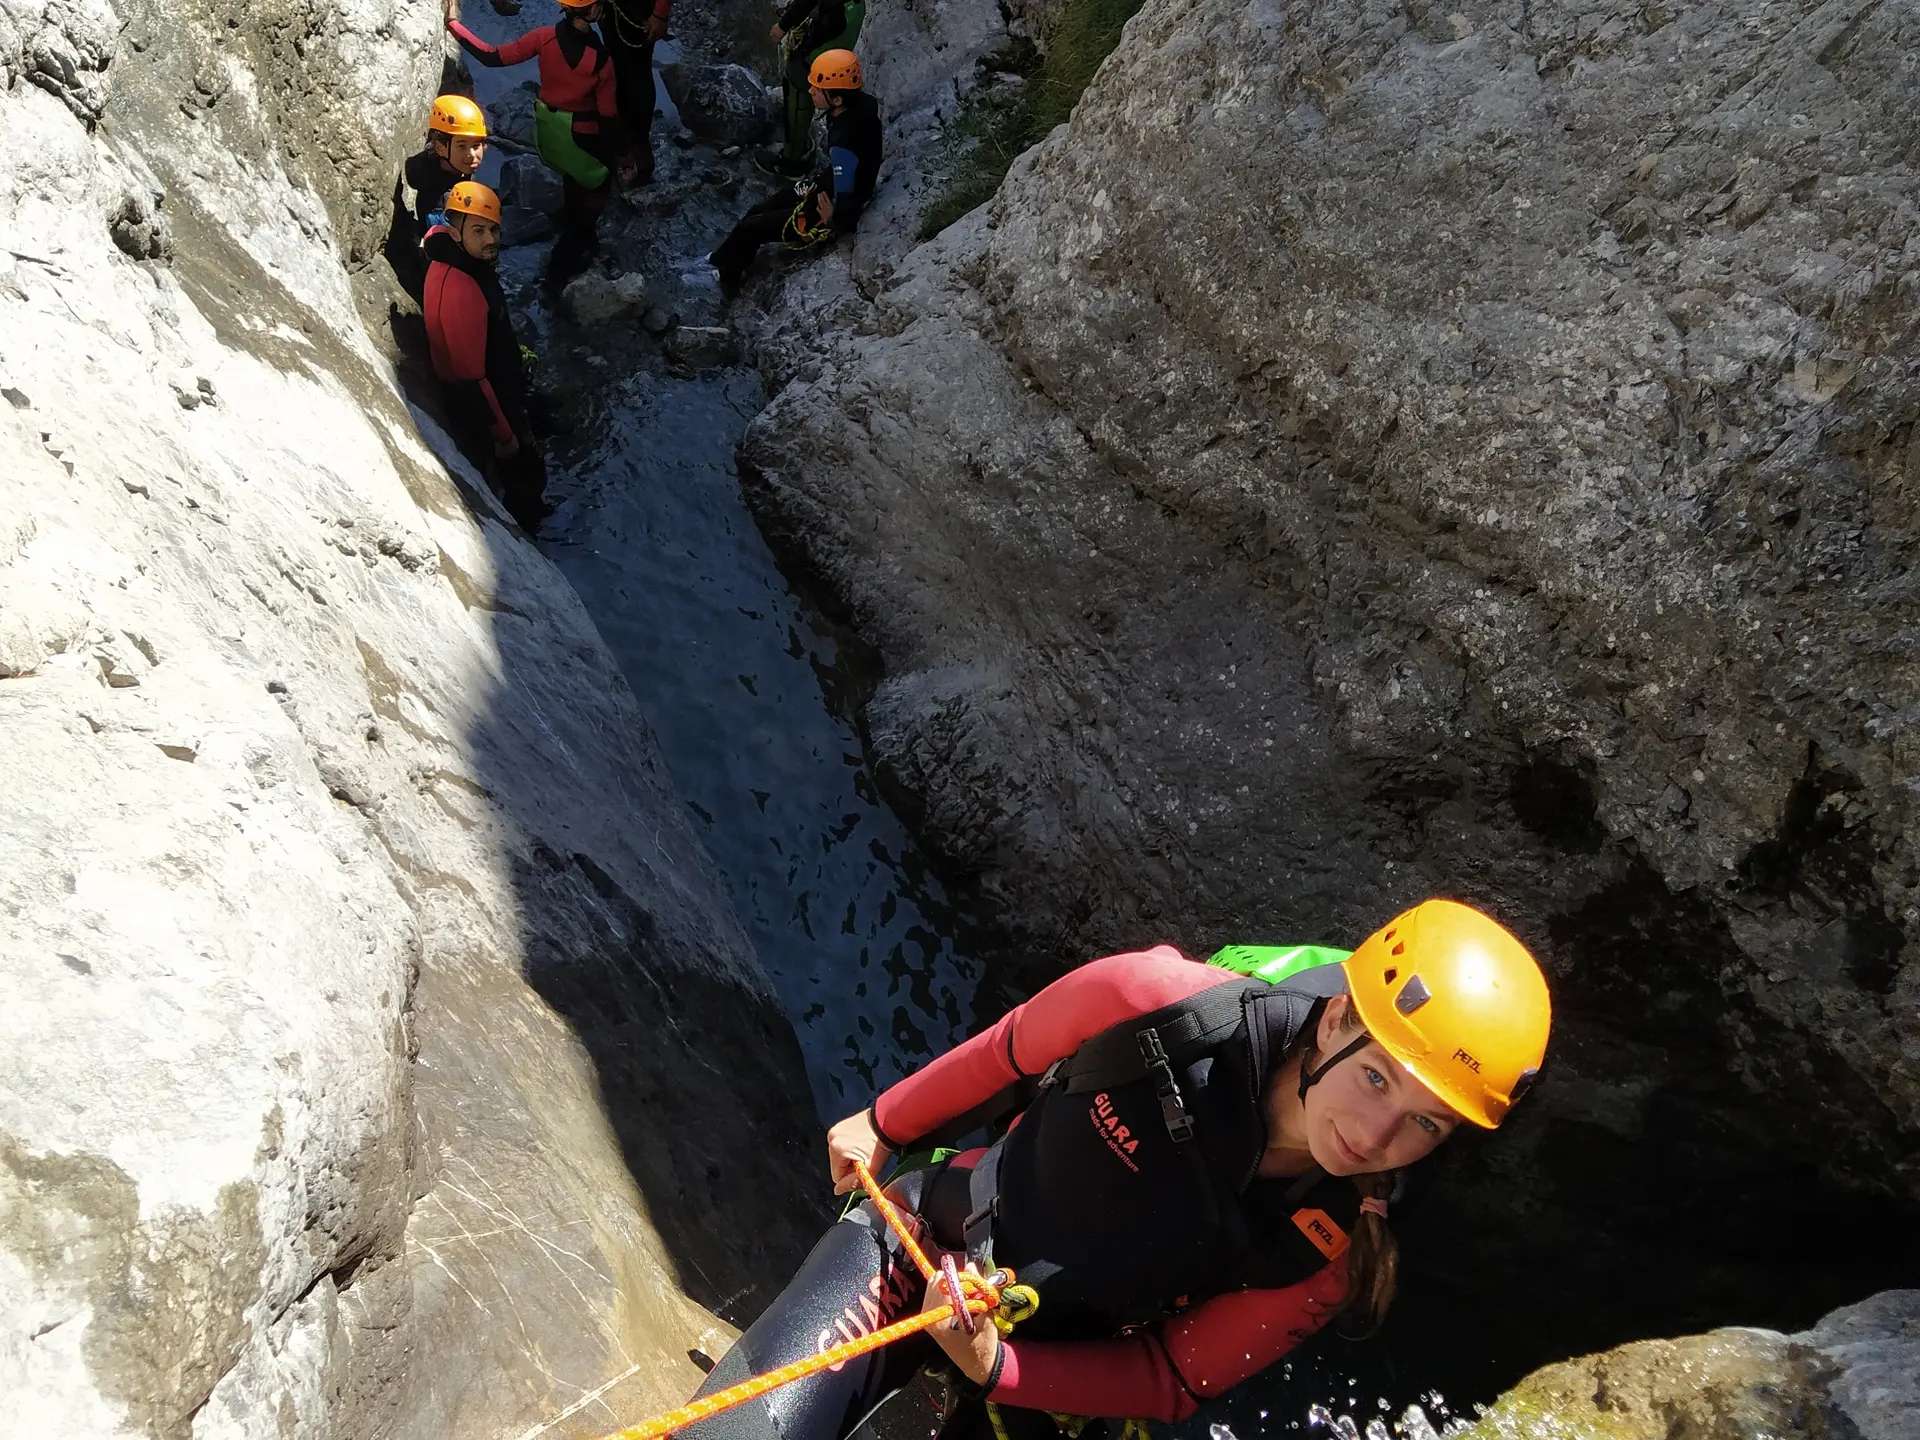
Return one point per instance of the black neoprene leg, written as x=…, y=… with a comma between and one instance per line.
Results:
x=848, y=1287
x=762, y=225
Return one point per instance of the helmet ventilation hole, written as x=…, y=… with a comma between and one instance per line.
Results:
x=1389, y=977
x=1401, y=948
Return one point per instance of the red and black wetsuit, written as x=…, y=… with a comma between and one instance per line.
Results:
x=1168, y=1269
x=577, y=78
x=576, y=73
x=475, y=351
x=1078, y=1203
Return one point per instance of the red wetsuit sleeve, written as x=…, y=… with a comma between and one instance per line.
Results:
x=514, y=52
x=1163, y=1374
x=502, y=427
x=1030, y=1037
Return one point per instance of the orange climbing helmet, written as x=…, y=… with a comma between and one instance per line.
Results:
x=470, y=197
x=1458, y=1001
x=835, y=70
x=457, y=115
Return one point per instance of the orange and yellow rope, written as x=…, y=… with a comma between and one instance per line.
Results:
x=983, y=1298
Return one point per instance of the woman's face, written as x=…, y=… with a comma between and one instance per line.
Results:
x=1367, y=1113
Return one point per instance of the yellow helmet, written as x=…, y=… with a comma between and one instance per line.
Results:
x=457, y=115
x=1458, y=1001
x=835, y=70
x=470, y=197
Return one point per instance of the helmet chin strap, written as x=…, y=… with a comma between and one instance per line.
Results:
x=1310, y=1078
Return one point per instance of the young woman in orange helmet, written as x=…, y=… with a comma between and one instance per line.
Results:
x=1195, y=1182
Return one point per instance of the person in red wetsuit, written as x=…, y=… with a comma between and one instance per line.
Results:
x=1195, y=1182
x=576, y=120
x=475, y=351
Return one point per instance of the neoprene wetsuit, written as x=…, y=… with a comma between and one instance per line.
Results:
x=576, y=122
x=625, y=31
x=854, y=139
x=475, y=351
x=427, y=176
x=1168, y=1270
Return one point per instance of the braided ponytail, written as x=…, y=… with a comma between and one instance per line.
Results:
x=1373, y=1260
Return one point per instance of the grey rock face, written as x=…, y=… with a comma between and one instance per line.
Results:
x=64, y=48
x=510, y=118
x=363, y=978
x=595, y=298
x=701, y=346
x=726, y=104
x=526, y=181
x=1376, y=451
x=1875, y=1347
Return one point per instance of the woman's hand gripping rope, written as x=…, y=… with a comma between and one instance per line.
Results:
x=968, y=1294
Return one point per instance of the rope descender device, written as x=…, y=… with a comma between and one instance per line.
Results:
x=968, y=1295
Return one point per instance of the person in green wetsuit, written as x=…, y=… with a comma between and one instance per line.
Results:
x=806, y=30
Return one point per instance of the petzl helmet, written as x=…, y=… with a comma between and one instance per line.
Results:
x=1459, y=1002
x=578, y=4
x=470, y=197
x=835, y=70
x=457, y=115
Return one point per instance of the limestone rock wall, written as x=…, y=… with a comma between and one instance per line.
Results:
x=376, y=1037
x=1378, y=449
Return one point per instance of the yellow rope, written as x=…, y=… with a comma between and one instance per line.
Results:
x=984, y=1299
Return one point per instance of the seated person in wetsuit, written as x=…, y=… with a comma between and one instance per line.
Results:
x=1196, y=1180
x=456, y=144
x=475, y=351
x=828, y=205
x=576, y=120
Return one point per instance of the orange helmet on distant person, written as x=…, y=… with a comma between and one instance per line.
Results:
x=470, y=197
x=457, y=115
x=1459, y=1002
x=835, y=70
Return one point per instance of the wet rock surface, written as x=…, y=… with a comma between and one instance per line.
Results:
x=1855, y=1374
x=1376, y=452
x=726, y=104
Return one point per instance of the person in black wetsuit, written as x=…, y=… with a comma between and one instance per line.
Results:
x=828, y=205
x=456, y=144
x=631, y=28
x=476, y=353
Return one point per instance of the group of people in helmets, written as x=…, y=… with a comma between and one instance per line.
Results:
x=592, y=122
